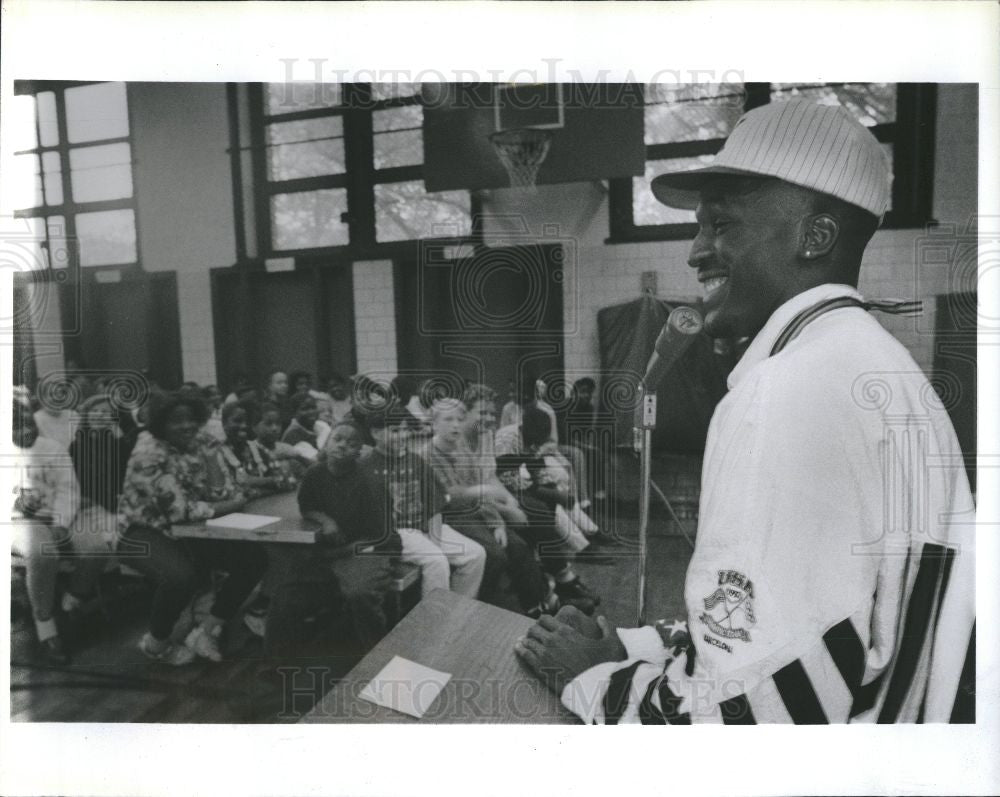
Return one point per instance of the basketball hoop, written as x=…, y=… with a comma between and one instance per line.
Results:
x=521, y=152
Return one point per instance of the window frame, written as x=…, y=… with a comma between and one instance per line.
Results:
x=69, y=208
x=359, y=179
x=912, y=136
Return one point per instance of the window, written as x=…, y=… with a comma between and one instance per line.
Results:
x=686, y=126
x=73, y=173
x=305, y=137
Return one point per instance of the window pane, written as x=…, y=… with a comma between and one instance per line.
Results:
x=52, y=174
x=106, y=238
x=58, y=249
x=27, y=252
x=305, y=148
x=398, y=139
x=27, y=182
x=98, y=173
x=22, y=123
x=388, y=91
x=307, y=219
x=294, y=96
x=401, y=148
x=48, y=125
x=405, y=118
x=96, y=112
x=405, y=211
x=871, y=103
x=691, y=112
x=646, y=208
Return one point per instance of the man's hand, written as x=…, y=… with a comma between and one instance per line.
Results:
x=559, y=648
x=500, y=535
x=329, y=532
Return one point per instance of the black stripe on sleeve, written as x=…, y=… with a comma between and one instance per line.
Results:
x=964, y=708
x=866, y=696
x=736, y=711
x=649, y=714
x=670, y=703
x=914, y=634
x=848, y=653
x=616, y=698
x=798, y=695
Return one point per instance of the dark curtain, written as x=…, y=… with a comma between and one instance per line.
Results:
x=687, y=396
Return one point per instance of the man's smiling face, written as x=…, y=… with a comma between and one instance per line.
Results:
x=746, y=251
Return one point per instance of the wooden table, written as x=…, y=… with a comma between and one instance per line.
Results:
x=472, y=641
x=289, y=528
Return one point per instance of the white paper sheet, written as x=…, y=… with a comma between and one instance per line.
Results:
x=241, y=520
x=406, y=686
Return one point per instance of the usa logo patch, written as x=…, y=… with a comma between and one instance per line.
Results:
x=729, y=609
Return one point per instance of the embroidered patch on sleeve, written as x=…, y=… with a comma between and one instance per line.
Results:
x=729, y=608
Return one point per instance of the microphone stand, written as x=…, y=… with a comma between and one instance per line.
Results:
x=643, y=442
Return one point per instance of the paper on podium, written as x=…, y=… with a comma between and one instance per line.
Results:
x=406, y=686
x=240, y=520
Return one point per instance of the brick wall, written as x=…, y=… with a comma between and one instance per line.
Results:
x=194, y=297
x=375, y=317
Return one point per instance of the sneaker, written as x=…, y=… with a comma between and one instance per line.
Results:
x=576, y=590
x=256, y=623
x=174, y=655
x=204, y=644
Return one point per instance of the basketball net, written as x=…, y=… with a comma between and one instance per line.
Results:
x=521, y=152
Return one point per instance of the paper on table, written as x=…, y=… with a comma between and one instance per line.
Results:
x=240, y=520
x=406, y=686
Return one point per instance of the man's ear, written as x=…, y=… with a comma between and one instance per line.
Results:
x=820, y=236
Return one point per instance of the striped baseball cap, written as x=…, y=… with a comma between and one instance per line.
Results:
x=821, y=147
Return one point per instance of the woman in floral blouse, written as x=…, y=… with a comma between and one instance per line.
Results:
x=169, y=481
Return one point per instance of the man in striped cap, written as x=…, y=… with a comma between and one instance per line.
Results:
x=832, y=578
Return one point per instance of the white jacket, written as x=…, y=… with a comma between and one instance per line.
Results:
x=833, y=575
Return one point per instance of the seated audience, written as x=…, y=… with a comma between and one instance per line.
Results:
x=276, y=392
x=338, y=388
x=212, y=397
x=266, y=424
x=350, y=570
x=57, y=424
x=248, y=462
x=46, y=517
x=472, y=509
x=100, y=453
x=511, y=412
x=306, y=432
x=478, y=437
x=167, y=483
x=242, y=388
x=404, y=388
x=302, y=381
x=409, y=499
x=585, y=426
x=508, y=441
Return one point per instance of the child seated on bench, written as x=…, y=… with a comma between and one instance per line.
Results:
x=410, y=499
x=46, y=517
x=348, y=568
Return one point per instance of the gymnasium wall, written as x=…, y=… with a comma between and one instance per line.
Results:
x=185, y=223
x=184, y=201
x=897, y=262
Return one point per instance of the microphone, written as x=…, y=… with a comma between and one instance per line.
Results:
x=680, y=331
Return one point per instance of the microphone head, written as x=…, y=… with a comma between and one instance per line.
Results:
x=681, y=321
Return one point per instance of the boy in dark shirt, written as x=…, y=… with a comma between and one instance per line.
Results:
x=349, y=567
